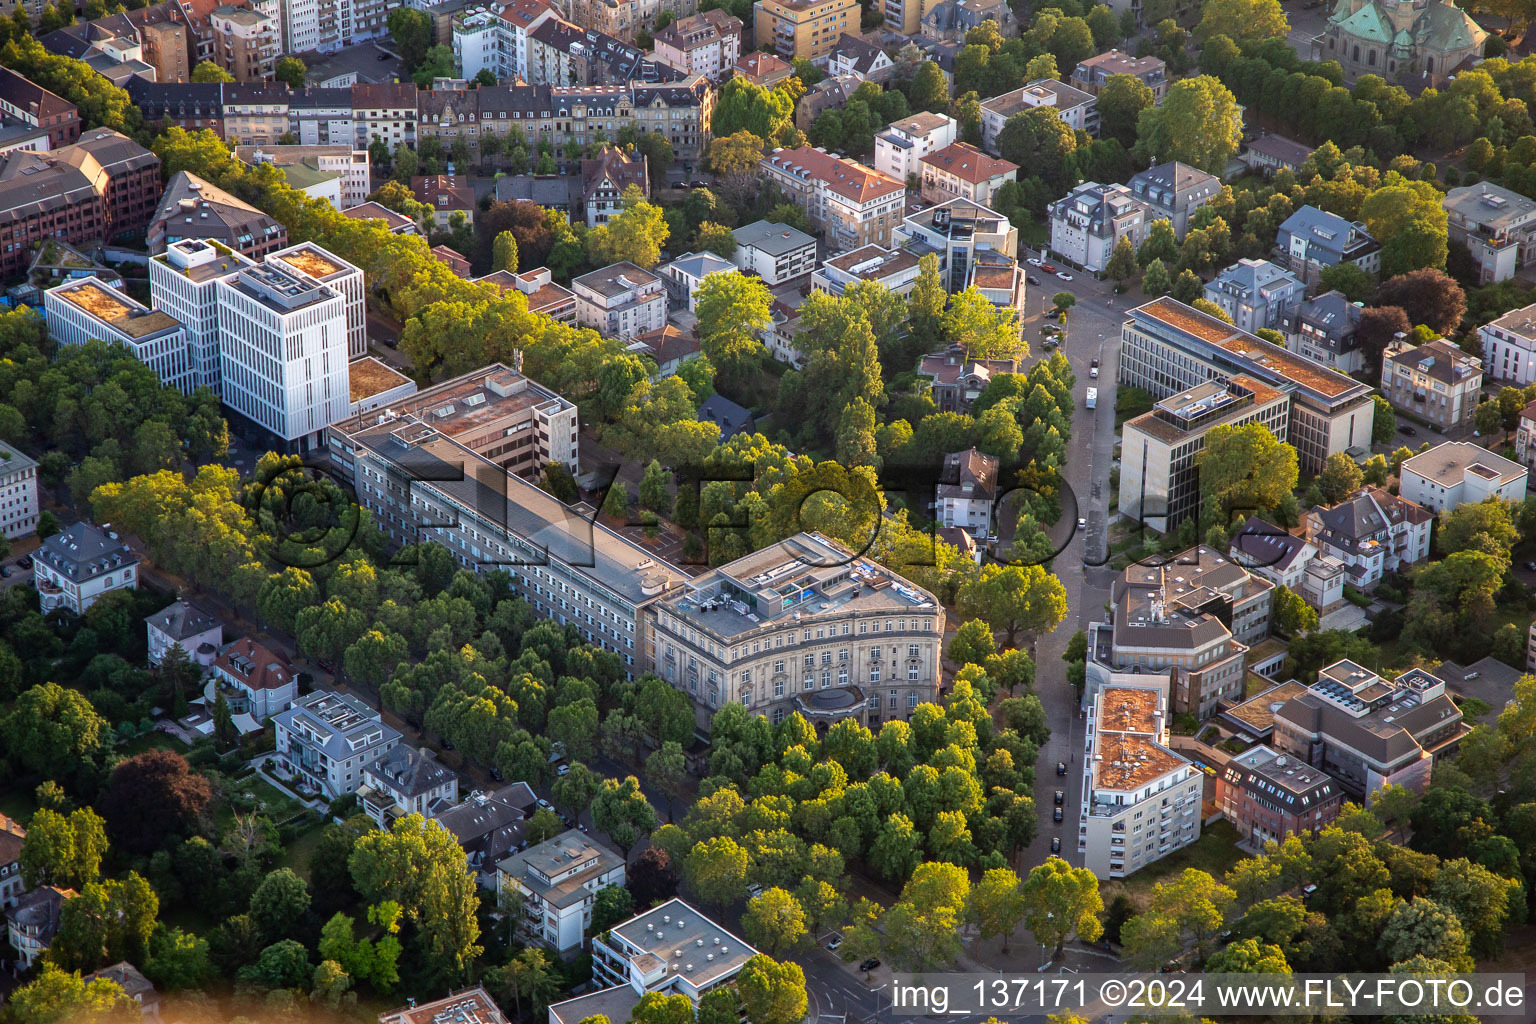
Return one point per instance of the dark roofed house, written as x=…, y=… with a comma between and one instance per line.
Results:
x=1271, y=153
x=34, y=921
x=253, y=679
x=407, y=780
x=1323, y=329
x=604, y=180
x=180, y=624
x=194, y=208
x=669, y=348
x=446, y=195
x=76, y=566
x=958, y=379
x=1371, y=532
x=966, y=491
x=134, y=985
x=727, y=415
x=864, y=60
x=764, y=69
x=1268, y=795
x=452, y=259
x=12, y=835
x=490, y=826
x=23, y=100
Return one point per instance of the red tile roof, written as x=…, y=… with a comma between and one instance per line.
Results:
x=254, y=665
x=968, y=163
x=848, y=179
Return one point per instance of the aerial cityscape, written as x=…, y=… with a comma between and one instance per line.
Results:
x=737, y=511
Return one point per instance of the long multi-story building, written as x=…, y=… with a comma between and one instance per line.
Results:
x=558, y=881
x=181, y=283
x=496, y=413
x=1160, y=450
x=319, y=267
x=1141, y=800
x=1436, y=381
x=804, y=28
x=1369, y=732
x=1167, y=347
x=328, y=739
x=623, y=18
x=1509, y=347
x=854, y=205
x=85, y=309
x=1192, y=619
x=425, y=483
x=99, y=188
x=283, y=355
x=804, y=625
x=1267, y=795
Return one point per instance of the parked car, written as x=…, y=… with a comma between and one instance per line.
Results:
x=1055, y=844
x=1063, y=275
x=1093, y=364
x=1056, y=814
x=545, y=805
x=25, y=561
x=1082, y=524
x=1530, y=566
x=870, y=964
x=5, y=571
x=1035, y=261
x=1061, y=766
x=754, y=891
x=1406, y=430
x=1049, y=268
x=1093, y=373
x=564, y=769
x=835, y=942
x=1032, y=279
x=1061, y=798
x=1050, y=342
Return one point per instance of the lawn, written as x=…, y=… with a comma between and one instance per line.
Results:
x=1214, y=852
x=153, y=740
x=297, y=853
x=273, y=802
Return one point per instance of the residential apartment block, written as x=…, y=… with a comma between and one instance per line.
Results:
x=855, y=56
x=1254, y=293
x=1192, y=619
x=1078, y=110
x=1457, y=473
x=961, y=233
x=18, y=492
x=1167, y=347
x=246, y=42
x=1312, y=240
x=84, y=310
x=1289, y=561
x=193, y=208
x=777, y=253
x=1267, y=795
x=1509, y=347
x=283, y=355
x=804, y=626
x=899, y=149
x=339, y=174
x=33, y=922
x=1371, y=532
x=1141, y=800
x=1496, y=224
x=1160, y=450
x=76, y=566
x=1091, y=74
x=1368, y=732
x=905, y=16
x=1437, y=382
x=1525, y=437
x=621, y=301
x=803, y=28
x=558, y=881
x=1088, y=222
x=895, y=270
x=623, y=18
x=707, y=44
x=179, y=624
x=407, y=780
x=253, y=679
x=961, y=170
x=1173, y=192
x=1322, y=329
x=966, y=492
x=950, y=21
x=327, y=740
x=956, y=380
x=685, y=275
x=852, y=204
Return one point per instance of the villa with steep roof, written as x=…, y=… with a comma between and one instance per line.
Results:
x=180, y=624
x=1408, y=42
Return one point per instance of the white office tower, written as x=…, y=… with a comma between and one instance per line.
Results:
x=283, y=347
x=181, y=282
x=83, y=309
x=313, y=263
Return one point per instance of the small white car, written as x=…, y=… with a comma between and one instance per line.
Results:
x=835, y=942
x=1034, y=261
x=1063, y=275
x=1082, y=524
x=564, y=769
x=1093, y=372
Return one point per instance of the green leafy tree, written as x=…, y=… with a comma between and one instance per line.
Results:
x=1245, y=468
x=621, y=810
x=412, y=33
x=54, y=732
x=775, y=921
x=1384, y=421
x=1014, y=598
x=972, y=644
x=1245, y=22
x=291, y=71
x=997, y=905
x=63, y=997
x=1156, y=280
x=922, y=929
x=504, y=254
x=1122, y=98
x=636, y=234
x=106, y=922
x=279, y=902
x=1341, y=476
x=716, y=869
x=1292, y=616
x=1198, y=124
x=63, y=851
x=1060, y=901
x=732, y=309
x=209, y=72
x=771, y=992
x=1122, y=262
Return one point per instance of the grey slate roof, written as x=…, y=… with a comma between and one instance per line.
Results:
x=334, y=718
x=82, y=552
x=180, y=620
x=726, y=414
x=1264, y=546
x=1170, y=185
x=1339, y=238
x=773, y=239
x=409, y=772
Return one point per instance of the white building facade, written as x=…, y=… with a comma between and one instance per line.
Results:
x=181, y=282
